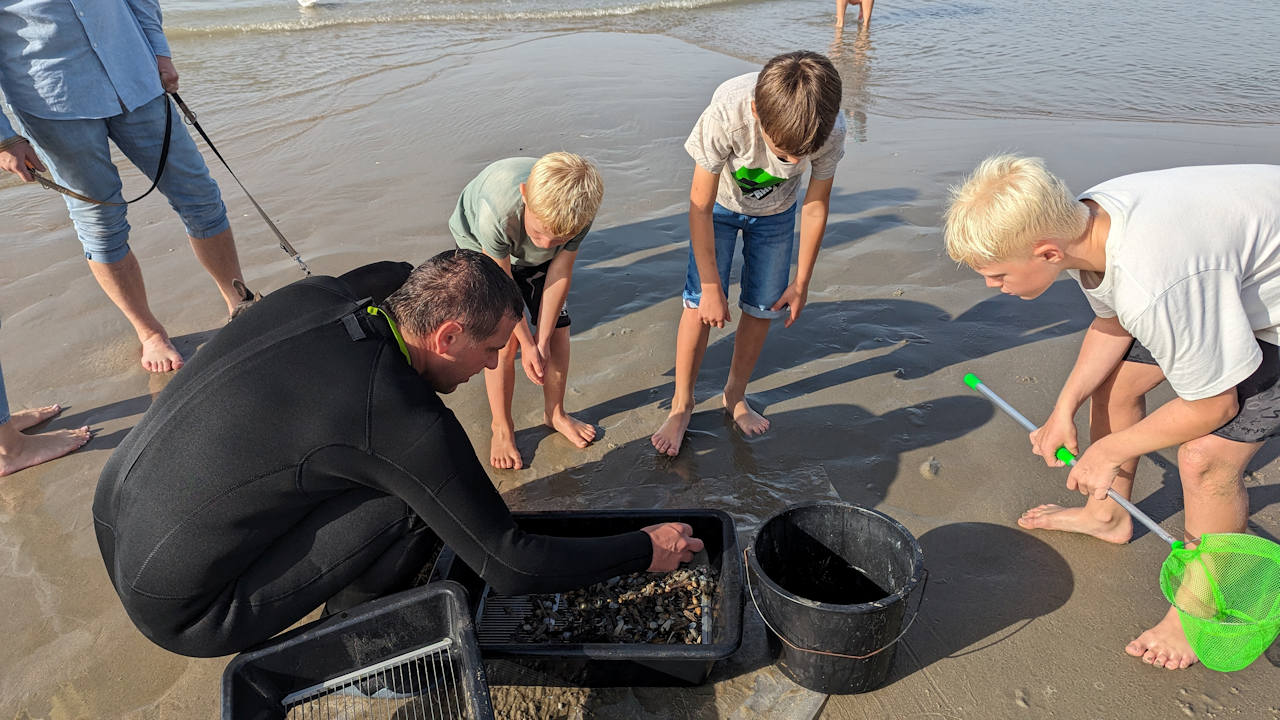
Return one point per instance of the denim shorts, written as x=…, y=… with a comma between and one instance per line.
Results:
x=766, y=259
x=4, y=401
x=1259, y=396
x=78, y=156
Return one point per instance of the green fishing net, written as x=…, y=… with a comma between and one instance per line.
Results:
x=1227, y=591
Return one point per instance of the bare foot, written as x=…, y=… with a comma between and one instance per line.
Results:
x=577, y=432
x=159, y=355
x=23, y=419
x=1164, y=645
x=750, y=422
x=23, y=451
x=1078, y=520
x=671, y=434
x=502, y=450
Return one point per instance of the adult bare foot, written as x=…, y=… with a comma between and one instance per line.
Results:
x=575, y=431
x=1164, y=645
x=159, y=355
x=20, y=451
x=671, y=433
x=503, y=454
x=750, y=422
x=1078, y=520
x=23, y=419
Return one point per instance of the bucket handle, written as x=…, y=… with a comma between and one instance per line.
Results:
x=751, y=591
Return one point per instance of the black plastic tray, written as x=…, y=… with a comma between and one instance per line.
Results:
x=617, y=664
x=256, y=682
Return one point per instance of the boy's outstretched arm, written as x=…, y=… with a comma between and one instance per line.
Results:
x=813, y=224
x=1104, y=347
x=713, y=308
x=530, y=357
x=554, y=293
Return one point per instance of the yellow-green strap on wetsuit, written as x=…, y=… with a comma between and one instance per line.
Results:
x=375, y=311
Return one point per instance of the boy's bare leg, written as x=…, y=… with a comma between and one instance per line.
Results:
x=557, y=373
x=1119, y=404
x=691, y=345
x=747, y=343
x=865, y=7
x=499, y=384
x=122, y=282
x=217, y=253
x=1212, y=470
x=19, y=451
x=840, y=7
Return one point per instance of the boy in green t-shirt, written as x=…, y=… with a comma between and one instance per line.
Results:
x=530, y=216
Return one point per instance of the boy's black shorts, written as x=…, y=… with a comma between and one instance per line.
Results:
x=1259, y=396
x=532, y=281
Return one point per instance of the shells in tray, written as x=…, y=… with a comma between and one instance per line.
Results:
x=674, y=608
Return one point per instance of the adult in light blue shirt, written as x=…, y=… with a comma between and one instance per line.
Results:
x=76, y=73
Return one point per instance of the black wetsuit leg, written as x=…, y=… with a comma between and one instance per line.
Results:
x=358, y=544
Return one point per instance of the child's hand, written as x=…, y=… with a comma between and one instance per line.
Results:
x=534, y=362
x=1095, y=471
x=794, y=297
x=1057, y=432
x=713, y=309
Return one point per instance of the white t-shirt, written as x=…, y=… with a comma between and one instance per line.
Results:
x=1193, y=269
x=726, y=141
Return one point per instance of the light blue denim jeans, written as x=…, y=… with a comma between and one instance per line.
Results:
x=4, y=401
x=766, y=259
x=78, y=157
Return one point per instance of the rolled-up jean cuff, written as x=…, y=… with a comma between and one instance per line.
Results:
x=764, y=313
x=107, y=257
x=208, y=231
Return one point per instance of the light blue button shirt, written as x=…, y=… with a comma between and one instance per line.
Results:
x=78, y=59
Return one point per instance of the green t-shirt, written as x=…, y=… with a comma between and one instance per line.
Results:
x=490, y=216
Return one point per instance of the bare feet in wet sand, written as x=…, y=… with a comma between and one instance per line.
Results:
x=750, y=422
x=671, y=434
x=159, y=355
x=1078, y=520
x=503, y=454
x=575, y=431
x=1164, y=645
x=19, y=451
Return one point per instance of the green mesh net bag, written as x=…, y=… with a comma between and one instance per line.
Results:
x=1227, y=591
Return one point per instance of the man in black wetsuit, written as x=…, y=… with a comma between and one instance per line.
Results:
x=303, y=456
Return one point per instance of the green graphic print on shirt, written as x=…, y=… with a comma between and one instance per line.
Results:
x=756, y=182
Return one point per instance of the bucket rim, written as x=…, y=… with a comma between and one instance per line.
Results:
x=901, y=595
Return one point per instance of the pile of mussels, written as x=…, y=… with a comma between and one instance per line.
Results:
x=637, y=608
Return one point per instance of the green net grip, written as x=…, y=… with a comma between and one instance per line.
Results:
x=972, y=381
x=1065, y=456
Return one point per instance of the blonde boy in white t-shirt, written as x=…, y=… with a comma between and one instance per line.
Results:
x=1182, y=269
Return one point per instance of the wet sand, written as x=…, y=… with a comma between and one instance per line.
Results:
x=862, y=392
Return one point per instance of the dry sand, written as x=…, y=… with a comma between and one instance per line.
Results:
x=862, y=392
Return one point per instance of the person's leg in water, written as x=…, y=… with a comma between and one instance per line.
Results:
x=18, y=450
x=499, y=385
x=692, y=335
x=1118, y=404
x=767, y=243
x=555, y=381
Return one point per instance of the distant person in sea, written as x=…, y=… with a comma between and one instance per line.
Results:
x=20, y=450
x=304, y=457
x=76, y=75
x=530, y=215
x=751, y=147
x=1182, y=268
x=864, y=10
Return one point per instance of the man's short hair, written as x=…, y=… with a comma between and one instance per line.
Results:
x=1007, y=205
x=460, y=285
x=564, y=190
x=797, y=99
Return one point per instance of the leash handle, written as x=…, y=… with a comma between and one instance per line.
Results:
x=1065, y=455
x=284, y=244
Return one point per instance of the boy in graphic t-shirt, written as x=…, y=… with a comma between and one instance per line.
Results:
x=530, y=215
x=752, y=145
x=1182, y=269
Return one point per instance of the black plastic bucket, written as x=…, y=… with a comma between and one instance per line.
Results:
x=834, y=581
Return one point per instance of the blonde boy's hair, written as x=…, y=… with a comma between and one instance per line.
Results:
x=1007, y=205
x=797, y=99
x=564, y=190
